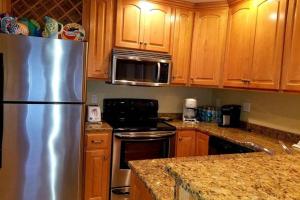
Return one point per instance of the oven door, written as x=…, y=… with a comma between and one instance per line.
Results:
x=128, y=146
x=137, y=71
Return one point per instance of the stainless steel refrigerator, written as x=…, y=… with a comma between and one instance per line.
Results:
x=42, y=95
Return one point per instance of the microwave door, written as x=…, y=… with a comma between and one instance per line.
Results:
x=140, y=72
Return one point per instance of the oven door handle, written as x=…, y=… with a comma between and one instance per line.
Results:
x=130, y=135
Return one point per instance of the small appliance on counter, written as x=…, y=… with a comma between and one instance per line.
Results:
x=230, y=116
x=190, y=110
x=93, y=114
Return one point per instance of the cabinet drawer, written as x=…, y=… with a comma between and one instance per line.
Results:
x=97, y=141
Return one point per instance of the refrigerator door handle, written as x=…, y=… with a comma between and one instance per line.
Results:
x=1, y=104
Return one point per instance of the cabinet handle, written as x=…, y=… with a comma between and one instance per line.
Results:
x=141, y=43
x=180, y=139
x=145, y=43
x=246, y=80
x=97, y=141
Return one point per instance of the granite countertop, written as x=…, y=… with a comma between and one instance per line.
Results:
x=155, y=173
x=94, y=127
x=159, y=182
x=264, y=177
x=252, y=140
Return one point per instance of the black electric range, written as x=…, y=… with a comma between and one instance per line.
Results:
x=138, y=134
x=134, y=115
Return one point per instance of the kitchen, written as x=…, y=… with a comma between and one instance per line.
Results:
x=219, y=53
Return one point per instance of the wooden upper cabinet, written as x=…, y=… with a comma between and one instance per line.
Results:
x=157, y=28
x=291, y=68
x=268, y=39
x=99, y=23
x=143, y=25
x=238, y=58
x=208, y=46
x=5, y=6
x=185, y=143
x=130, y=24
x=182, y=42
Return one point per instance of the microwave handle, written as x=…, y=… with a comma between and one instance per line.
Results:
x=158, y=71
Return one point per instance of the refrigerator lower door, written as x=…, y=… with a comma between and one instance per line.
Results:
x=41, y=152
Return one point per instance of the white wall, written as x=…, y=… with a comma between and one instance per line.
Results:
x=275, y=110
x=170, y=98
x=271, y=109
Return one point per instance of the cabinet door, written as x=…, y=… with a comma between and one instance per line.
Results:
x=100, y=29
x=182, y=42
x=4, y=6
x=96, y=175
x=185, y=143
x=268, y=39
x=291, y=68
x=238, y=58
x=201, y=144
x=138, y=189
x=208, y=46
x=157, y=28
x=130, y=24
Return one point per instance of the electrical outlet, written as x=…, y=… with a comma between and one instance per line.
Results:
x=94, y=99
x=246, y=107
x=218, y=102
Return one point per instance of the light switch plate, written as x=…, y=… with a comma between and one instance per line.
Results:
x=94, y=99
x=246, y=107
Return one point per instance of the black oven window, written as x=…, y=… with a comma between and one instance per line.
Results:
x=143, y=149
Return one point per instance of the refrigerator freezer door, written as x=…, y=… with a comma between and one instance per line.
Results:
x=42, y=70
x=41, y=152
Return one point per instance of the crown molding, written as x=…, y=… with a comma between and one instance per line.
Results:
x=195, y=6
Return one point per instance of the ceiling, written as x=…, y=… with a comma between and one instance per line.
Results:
x=200, y=1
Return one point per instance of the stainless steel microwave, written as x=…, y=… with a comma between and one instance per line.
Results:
x=133, y=67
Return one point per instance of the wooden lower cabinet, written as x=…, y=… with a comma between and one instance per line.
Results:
x=185, y=143
x=97, y=166
x=202, y=142
x=138, y=189
x=191, y=143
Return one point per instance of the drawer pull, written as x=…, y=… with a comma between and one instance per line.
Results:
x=97, y=141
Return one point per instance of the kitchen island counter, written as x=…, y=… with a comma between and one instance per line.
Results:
x=263, y=177
x=156, y=174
